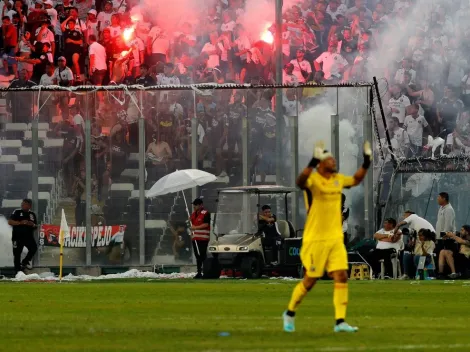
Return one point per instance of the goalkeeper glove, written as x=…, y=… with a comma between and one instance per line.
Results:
x=367, y=155
x=319, y=154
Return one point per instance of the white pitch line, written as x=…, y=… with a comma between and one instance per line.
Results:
x=357, y=349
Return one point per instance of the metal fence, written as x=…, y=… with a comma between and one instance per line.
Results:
x=95, y=151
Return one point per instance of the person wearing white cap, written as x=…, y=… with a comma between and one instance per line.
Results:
x=62, y=74
x=92, y=24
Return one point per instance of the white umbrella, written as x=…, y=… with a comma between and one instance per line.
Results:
x=179, y=181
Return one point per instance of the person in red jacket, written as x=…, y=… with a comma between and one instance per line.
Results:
x=200, y=228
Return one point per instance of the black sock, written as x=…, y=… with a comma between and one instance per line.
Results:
x=290, y=313
x=339, y=321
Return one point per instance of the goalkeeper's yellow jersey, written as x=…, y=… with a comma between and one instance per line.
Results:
x=323, y=203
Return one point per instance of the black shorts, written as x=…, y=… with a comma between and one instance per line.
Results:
x=98, y=77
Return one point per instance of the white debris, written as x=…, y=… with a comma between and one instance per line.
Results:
x=131, y=274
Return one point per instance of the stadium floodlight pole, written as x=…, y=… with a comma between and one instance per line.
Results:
x=387, y=135
x=279, y=110
x=141, y=126
x=88, y=183
x=35, y=170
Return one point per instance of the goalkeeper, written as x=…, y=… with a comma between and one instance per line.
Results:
x=322, y=244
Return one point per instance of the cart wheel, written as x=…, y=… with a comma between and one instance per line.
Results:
x=251, y=267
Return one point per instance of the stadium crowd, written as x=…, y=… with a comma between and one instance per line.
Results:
x=75, y=42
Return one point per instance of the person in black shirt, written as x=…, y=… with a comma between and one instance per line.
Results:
x=19, y=104
x=40, y=59
x=145, y=79
x=267, y=225
x=24, y=222
x=73, y=46
x=236, y=113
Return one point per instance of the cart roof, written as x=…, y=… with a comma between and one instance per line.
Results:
x=261, y=189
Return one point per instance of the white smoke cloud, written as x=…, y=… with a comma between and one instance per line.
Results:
x=6, y=254
x=315, y=125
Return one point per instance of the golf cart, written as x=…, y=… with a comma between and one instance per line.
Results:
x=239, y=239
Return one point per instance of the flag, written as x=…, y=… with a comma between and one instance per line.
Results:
x=63, y=233
x=64, y=228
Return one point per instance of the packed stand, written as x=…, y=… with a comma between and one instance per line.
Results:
x=323, y=41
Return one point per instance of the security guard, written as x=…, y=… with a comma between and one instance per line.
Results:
x=24, y=223
x=200, y=228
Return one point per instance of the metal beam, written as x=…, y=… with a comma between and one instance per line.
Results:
x=141, y=184
x=88, y=183
x=369, y=180
x=279, y=108
x=35, y=174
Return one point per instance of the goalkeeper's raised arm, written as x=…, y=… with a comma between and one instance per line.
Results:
x=319, y=154
x=326, y=160
x=362, y=171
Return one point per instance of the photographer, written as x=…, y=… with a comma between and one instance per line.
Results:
x=423, y=246
x=460, y=256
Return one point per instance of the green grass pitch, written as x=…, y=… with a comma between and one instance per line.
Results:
x=188, y=315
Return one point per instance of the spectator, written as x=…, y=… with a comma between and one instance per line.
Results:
x=19, y=104
x=302, y=69
x=158, y=46
x=168, y=78
x=79, y=194
x=92, y=25
x=449, y=109
x=73, y=47
x=405, y=68
x=423, y=247
x=461, y=257
x=332, y=64
x=445, y=216
x=268, y=226
x=287, y=75
x=97, y=66
x=104, y=17
x=63, y=75
x=414, y=125
x=398, y=103
x=389, y=241
x=399, y=138
x=144, y=78
x=45, y=35
x=414, y=223
x=119, y=152
x=115, y=27
x=10, y=41
x=25, y=48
